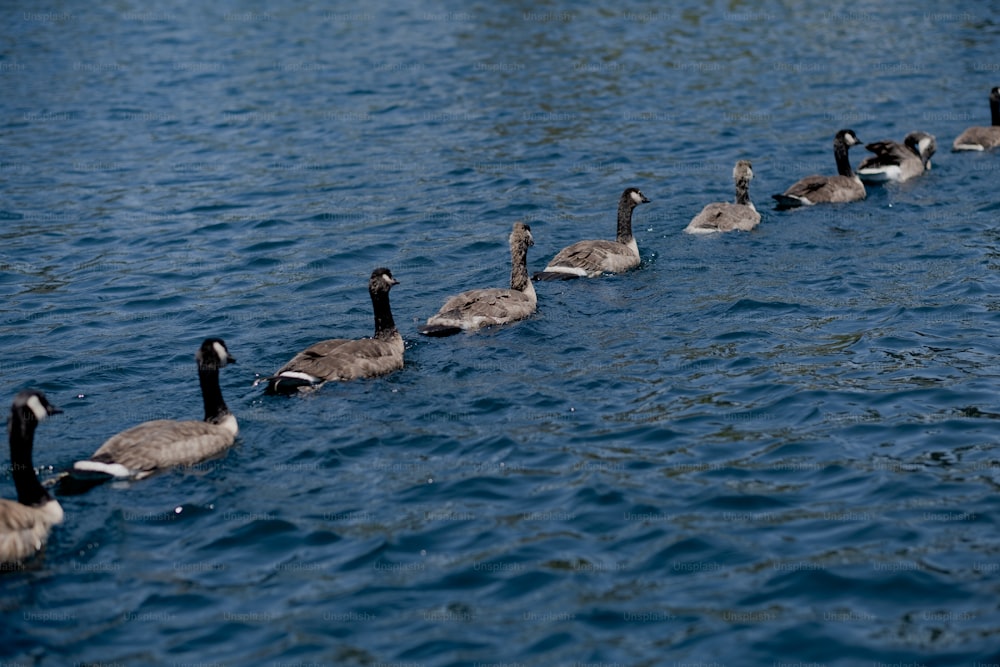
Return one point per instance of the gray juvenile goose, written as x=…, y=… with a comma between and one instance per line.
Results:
x=25, y=523
x=898, y=162
x=726, y=217
x=982, y=138
x=592, y=258
x=154, y=445
x=484, y=307
x=347, y=359
x=844, y=187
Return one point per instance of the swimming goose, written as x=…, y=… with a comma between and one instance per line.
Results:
x=346, y=359
x=25, y=523
x=844, y=187
x=142, y=450
x=725, y=217
x=592, y=258
x=982, y=138
x=484, y=307
x=898, y=162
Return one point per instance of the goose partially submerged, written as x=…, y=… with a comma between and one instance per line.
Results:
x=26, y=522
x=844, y=187
x=163, y=443
x=347, y=359
x=726, y=217
x=982, y=138
x=592, y=258
x=898, y=162
x=485, y=307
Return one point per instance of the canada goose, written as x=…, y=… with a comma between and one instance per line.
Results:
x=982, y=138
x=484, y=307
x=725, y=217
x=898, y=162
x=592, y=258
x=346, y=359
x=844, y=187
x=144, y=449
x=25, y=523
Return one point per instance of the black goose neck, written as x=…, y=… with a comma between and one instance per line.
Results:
x=22, y=439
x=843, y=161
x=743, y=191
x=211, y=393
x=519, y=278
x=995, y=108
x=625, y=208
x=384, y=324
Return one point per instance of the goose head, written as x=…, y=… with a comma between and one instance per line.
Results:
x=846, y=138
x=381, y=281
x=922, y=144
x=522, y=233
x=31, y=405
x=213, y=354
x=743, y=171
x=632, y=197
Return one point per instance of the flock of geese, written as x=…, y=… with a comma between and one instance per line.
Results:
x=160, y=444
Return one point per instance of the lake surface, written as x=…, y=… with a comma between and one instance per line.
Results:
x=766, y=448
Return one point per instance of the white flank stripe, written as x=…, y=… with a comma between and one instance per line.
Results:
x=572, y=270
x=296, y=375
x=113, y=469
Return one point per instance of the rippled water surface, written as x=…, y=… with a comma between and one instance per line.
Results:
x=774, y=447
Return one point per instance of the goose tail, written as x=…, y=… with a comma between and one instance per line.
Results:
x=75, y=481
x=547, y=276
x=439, y=330
x=785, y=201
x=288, y=383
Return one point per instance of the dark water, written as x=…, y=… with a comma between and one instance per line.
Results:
x=766, y=448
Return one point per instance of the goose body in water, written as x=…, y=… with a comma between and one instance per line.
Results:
x=592, y=258
x=898, y=162
x=726, y=217
x=844, y=187
x=982, y=138
x=163, y=443
x=347, y=359
x=26, y=522
x=485, y=307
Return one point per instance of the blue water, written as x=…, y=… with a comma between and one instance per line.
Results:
x=766, y=448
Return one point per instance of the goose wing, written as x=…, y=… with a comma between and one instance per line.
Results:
x=163, y=443
x=347, y=359
x=23, y=529
x=887, y=154
x=488, y=306
x=978, y=138
x=723, y=217
x=595, y=257
x=807, y=186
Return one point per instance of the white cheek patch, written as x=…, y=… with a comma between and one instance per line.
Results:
x=636, y=197
x=924, y=144
x=388, y=280
x=221, y=352
x=37, y=408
